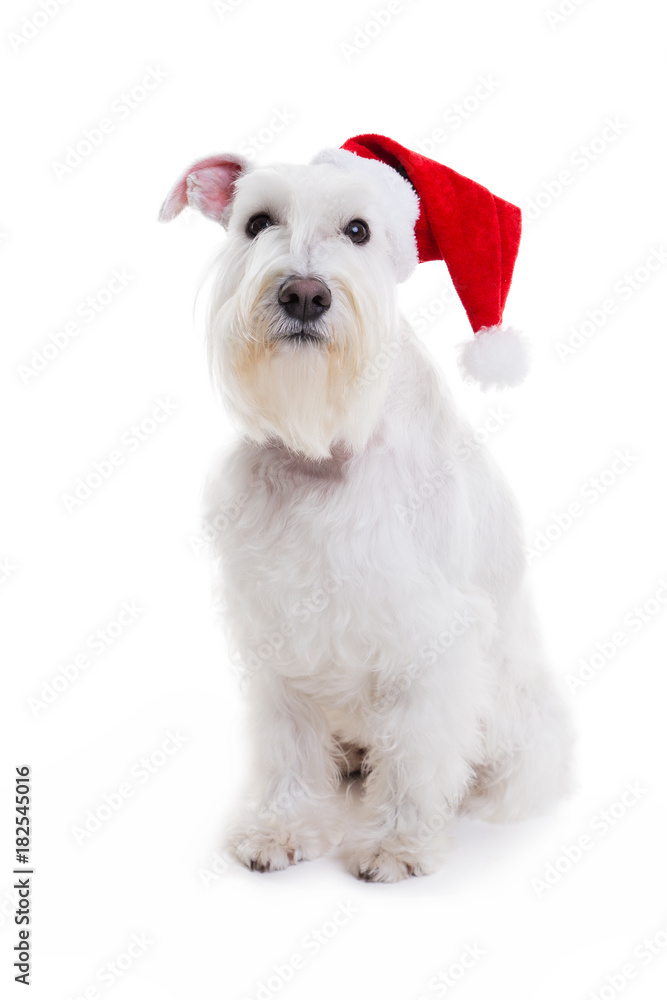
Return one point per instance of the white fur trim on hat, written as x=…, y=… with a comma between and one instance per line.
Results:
x=401, y=203
x=497, y=357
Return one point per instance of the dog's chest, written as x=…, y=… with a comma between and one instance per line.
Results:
x=322, y=574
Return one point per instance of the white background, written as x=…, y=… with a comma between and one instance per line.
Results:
x=66, y=574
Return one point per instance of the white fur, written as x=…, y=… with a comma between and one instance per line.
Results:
x=307, y=398
x=371, y=558
x=401, y=203
x=497, y=357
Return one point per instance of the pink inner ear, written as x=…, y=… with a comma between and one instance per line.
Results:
x=207, y=185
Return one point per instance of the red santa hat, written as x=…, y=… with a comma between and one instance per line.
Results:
x=477, y=235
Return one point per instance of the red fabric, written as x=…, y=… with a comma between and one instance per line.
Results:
x=460, y=222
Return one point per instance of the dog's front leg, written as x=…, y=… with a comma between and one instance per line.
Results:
x=290, y=815
x=418, y=773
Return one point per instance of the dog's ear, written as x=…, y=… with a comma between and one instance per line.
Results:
x=207, y=185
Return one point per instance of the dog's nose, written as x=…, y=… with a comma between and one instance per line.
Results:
x=304, y=298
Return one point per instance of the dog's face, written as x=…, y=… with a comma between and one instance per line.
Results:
x=305, y=294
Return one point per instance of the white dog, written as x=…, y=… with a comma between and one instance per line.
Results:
x=372, y=561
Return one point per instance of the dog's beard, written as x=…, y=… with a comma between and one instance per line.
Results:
x=302, y=382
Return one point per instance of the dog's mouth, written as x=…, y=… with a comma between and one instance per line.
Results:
x=302, y=334
x=304, y=337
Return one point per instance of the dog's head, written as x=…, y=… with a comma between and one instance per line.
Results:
x=305, y=295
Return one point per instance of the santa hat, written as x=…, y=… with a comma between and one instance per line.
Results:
x=477, y=235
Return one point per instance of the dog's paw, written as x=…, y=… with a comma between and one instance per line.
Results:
x=389, y=863
x=270, y=851
x=261, y=853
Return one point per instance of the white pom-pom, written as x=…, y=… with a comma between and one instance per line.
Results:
x=497, y=357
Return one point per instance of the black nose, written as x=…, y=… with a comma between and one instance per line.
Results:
x=304, y=298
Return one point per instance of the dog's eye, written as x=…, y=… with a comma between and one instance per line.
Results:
x=257, y=223
x=358, y=231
